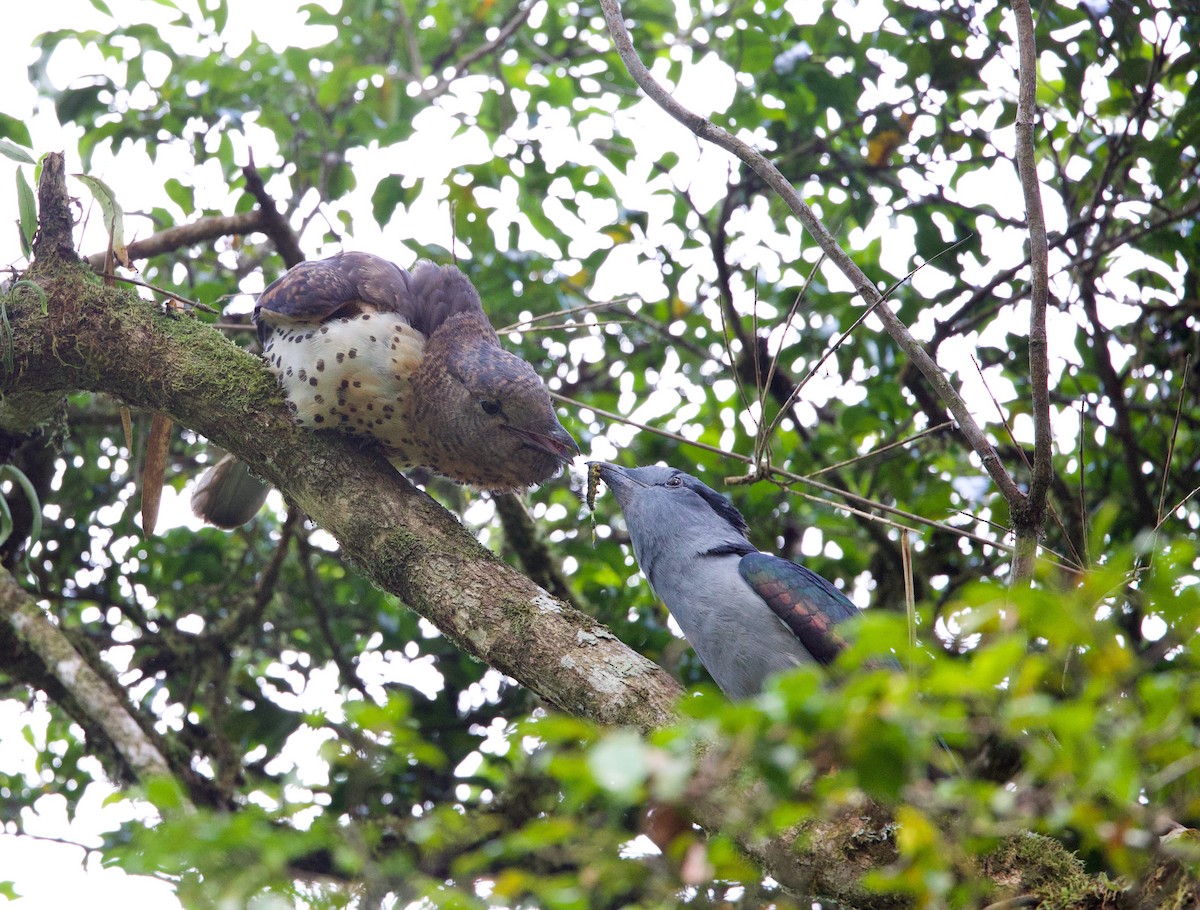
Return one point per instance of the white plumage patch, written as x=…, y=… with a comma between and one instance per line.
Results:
x=350, y=374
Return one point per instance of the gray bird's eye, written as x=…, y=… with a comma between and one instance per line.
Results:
x=675, y=481
x=490, y=407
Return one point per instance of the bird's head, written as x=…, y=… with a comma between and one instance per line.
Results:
x=670, y=512
x=493, y=422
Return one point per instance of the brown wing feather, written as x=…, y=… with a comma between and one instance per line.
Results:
x=351, y=283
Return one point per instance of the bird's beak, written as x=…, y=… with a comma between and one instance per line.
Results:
x=613, y=475
x=558, y=442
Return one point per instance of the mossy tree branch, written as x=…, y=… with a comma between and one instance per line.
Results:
x=102, y=339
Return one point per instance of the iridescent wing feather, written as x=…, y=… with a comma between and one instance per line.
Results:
x=808, y=604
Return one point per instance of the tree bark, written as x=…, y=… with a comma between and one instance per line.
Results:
x=1030, y=518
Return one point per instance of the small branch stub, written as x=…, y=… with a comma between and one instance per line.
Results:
x=54, y=238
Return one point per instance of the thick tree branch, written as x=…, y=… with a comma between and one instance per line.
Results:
x=1028, y=521
x=185, y=235
x=103, y=340
x=707, y=130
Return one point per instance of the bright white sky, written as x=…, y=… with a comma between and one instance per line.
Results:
x=54, y=875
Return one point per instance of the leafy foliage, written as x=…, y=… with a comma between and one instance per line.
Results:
x=329, y=731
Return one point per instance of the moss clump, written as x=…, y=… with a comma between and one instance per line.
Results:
x=1173, y=884
x=1030, y=864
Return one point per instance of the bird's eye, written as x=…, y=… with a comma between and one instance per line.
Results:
x=490, y=407
x=675, y=481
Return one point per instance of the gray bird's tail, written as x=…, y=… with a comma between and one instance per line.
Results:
x=228, y=495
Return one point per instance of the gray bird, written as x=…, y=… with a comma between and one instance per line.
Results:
x=408, y=359
x=747, y=614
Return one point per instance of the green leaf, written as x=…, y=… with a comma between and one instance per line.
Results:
x=389, y=193
x=111, y=211
x=7, y=346
x=18, y=478
x=27, y=212
x=8, y=150
x=16, y=130
x=618, y=762
x=182, y=196
x=6, y=520
x=83, y=104
x=26, y=285
x=220, y=16
x=165, y=794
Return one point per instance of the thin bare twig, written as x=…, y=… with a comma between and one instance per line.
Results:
x=910, y=597
x=737, y=374
x=774, y=365
x=1166, y=474
x=1175, y=508
x=850, y=331
x=506, y=31
x=798, y=478
x=1083, y=512
x=170, y=295
x=1029, y=517
x=760, y=390
x=829, y=352
x=994, y=525
x=552, y=314
x=1160, y=517
x=574, y=326
x=762, y=442
x=1020, y=450
x=771, y=175
x=851, y=510
x=875, y=453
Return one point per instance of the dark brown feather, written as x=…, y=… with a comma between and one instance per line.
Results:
x=351, y=283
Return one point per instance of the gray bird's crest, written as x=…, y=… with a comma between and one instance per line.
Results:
x=722, y=505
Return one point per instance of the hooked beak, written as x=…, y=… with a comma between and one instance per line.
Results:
x=558, y=442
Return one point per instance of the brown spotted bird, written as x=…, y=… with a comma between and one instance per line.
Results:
x=407, y=359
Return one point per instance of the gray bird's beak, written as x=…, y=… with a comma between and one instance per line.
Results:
x=558, y=442
x=615, y=477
